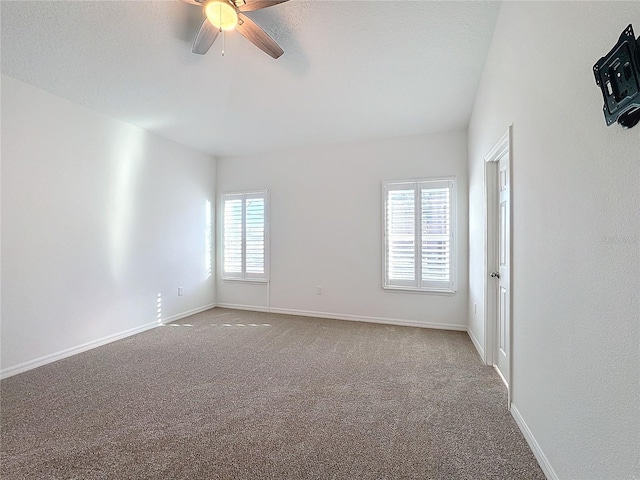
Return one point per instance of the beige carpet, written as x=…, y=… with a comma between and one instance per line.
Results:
x=239, y=395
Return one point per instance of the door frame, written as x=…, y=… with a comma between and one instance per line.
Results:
x=502, y=147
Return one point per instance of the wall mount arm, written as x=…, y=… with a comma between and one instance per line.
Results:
x=618, y=76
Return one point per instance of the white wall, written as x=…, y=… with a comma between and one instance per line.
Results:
x=98, y=217
x=326, y=220
x=576, y=206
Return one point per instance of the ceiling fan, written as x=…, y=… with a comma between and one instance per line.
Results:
x=221, y=15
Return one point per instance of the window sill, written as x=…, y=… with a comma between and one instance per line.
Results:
x=430, y=291
x=244, y=280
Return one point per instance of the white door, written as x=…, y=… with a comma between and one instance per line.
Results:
x=501, y=275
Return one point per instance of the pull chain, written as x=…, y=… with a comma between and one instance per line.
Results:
x=221, y=31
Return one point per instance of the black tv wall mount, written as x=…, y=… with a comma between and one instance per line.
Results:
x=618, y=76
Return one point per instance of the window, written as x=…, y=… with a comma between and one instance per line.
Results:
x=419, y=240
x=244, y=236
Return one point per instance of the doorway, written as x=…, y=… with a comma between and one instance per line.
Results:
x=497, y=280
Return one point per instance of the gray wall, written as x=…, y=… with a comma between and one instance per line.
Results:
x=326, y=228
x=98, y=218
x=576, y=229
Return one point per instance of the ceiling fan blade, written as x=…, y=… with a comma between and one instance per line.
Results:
x=256, y=35
x=205, y=38
x=250, y=5
x=194, y=2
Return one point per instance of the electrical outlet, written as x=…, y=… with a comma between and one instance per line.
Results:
x=318, y=290
x=180, y=291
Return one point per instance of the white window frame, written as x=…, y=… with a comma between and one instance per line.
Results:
x=417, y=284
x=245, y=276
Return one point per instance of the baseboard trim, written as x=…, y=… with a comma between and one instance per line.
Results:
x=504, y=380
x=337, y=316
x=545, y=465
x=476, y=344
x=235, y=306
x=38, y=362
x=354, y=318
x=52, y=357
x=193, y=311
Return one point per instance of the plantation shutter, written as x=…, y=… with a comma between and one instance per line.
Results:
x=436, y=235
x=255, y=237
x=401, y=226
x=233, y=233
x=244, y=236
x=419, y=235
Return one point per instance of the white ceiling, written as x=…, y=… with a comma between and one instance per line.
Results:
x=352, y=70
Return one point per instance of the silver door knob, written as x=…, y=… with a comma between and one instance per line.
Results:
x=495, y=275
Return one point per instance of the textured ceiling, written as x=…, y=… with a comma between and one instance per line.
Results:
x=352, y=70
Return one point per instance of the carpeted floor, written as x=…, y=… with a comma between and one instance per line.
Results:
x=228, y=394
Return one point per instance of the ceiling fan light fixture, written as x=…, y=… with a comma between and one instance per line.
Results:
x=221, y=14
